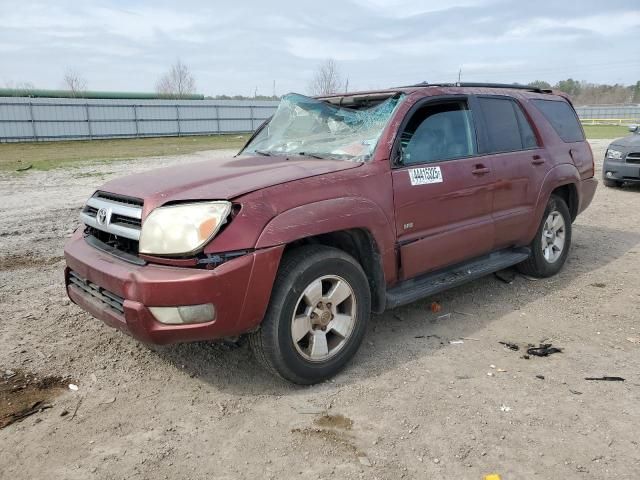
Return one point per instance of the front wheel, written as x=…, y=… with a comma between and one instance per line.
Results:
x=317, y=315
x=550, y=247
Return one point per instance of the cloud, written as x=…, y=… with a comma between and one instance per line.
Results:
x=236, y=47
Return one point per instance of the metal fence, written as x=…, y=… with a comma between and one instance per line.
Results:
x=45, y=119
x=611, y=114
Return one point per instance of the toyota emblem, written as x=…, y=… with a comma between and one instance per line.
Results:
x=101, y=216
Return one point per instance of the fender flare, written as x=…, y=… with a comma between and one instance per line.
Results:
x=335, y=215
x=558, y=176
x=326, y=216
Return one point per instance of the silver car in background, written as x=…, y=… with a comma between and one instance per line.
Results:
x=622, y=160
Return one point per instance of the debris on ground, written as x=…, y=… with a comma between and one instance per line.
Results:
x=507, y=276
x=24, y=169
x=73, y=387
x=544, y=350
x=575, y=392
x=334, y=421
x=435, y=307
x=633, y=339
x=504, y=408
x=599, y=285
x=492, y=476
x=510, y=346
x=446, y=315
x=541, y=377
x=23, y=394
x=606, y=379
x=456, y=342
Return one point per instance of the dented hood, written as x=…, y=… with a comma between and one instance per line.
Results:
x=220, y=179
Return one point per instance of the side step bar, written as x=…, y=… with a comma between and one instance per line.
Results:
x=414, y=289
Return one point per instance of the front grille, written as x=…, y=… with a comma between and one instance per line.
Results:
x=115, y=220
x=119, y=243
x=633, y=157
x=126, y=221
x=111, y=300
x=113, y=197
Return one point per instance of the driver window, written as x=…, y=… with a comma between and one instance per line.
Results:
x=439, y=132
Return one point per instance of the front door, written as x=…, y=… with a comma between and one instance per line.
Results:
x=443, y=191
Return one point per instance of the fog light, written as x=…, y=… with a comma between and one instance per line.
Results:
x=609, y=174
x=187, y=314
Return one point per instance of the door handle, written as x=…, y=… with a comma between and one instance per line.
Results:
x=537, y=160
x=480, y=170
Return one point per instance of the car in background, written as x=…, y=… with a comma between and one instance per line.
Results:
x=622, y=160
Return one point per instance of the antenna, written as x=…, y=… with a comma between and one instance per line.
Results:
x=459, y=75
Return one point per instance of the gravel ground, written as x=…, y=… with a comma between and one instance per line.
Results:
x=411, y=404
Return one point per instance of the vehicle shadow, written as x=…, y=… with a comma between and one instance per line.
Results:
x=401, y=335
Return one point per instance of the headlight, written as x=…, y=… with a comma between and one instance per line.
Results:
x=182, y=229
x=614, y=154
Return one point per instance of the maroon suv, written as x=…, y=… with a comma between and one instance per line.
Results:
x=335, y=208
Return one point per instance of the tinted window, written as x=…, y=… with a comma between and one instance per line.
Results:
x=526, y=132
x=501, y=123
x=562, y=118
x=439, y=132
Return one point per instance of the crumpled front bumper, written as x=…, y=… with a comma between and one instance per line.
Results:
x=239, y=289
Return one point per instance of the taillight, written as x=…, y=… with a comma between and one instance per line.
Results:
x=593, y=160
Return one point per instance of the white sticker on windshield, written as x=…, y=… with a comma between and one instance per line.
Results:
x=422, y=176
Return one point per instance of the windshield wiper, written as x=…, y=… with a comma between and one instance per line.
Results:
x=263, y=152
x=312, y=155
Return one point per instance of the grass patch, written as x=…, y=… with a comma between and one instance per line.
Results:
x=605, y=131
x=48, y=155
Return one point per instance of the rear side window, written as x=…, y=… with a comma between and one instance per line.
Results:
x=562, y=118
x=508, y=130
x=526, y=132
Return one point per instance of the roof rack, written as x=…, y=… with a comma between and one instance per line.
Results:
x=516, y=86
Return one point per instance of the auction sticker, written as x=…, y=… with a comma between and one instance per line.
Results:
x=424, y=175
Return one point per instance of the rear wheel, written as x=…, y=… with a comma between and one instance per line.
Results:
x=317, y=315
x=551, y=244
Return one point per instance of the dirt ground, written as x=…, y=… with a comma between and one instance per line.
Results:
x=411, y=404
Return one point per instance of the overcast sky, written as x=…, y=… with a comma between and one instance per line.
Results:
x=236, y=47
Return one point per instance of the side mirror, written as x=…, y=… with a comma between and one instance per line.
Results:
x=634, y=128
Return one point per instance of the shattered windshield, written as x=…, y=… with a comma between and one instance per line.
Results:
x=307, y=126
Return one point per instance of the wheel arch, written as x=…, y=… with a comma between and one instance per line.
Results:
x=561, y=180
x=354, y=225
x=361, y=245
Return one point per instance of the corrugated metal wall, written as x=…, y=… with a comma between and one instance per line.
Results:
x=613, y=112
x=44, y=119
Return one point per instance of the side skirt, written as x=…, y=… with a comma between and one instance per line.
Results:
x=409, y=291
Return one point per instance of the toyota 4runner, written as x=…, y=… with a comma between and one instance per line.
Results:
x=336, y=207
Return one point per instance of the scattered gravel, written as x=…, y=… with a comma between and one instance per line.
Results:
x=411, y=405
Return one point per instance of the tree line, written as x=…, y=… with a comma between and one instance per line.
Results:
x=179, y=82
x=585, y=93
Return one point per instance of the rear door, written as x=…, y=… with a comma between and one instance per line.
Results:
x=505, y=135
x=442, y=189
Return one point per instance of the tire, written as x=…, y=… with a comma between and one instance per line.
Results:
x=611, y=183
x=547, y=261
x=303, y=273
